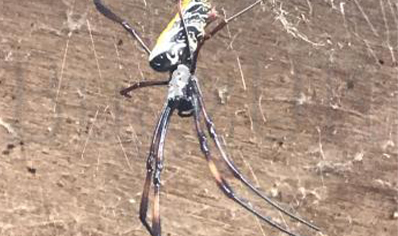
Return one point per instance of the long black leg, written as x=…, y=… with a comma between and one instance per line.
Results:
x=142, y=84
x=232, y=167
x=153, y=152
x=149, y=175
x=221, y=182
x=224, y=21
x=112, y=16
x=145, y=192
x=216, y=29
x=156, y=223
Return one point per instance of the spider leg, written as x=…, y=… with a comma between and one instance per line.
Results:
x=112, y=16
x=156, y=224
x=145, y=192
x=156, y=150
x=224, y=21
x=220, y=26
x=232, y=167
x=142, y=84
x=221, y=182
x=149, y=175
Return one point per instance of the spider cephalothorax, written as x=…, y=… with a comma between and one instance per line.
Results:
x=180, y=90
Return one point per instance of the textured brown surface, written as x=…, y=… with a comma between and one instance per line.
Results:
x=324, y=142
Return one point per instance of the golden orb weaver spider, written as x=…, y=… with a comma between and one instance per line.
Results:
x=176, y=51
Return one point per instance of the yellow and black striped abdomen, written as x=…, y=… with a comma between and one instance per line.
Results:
x=171, y=48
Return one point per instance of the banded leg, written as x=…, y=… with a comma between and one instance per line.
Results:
x=112, y=16
x=221, y=182
x=233, y=168
x=142, y=84
x=154, y=152
x=156, y=223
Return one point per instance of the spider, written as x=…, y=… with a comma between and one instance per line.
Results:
x=176, y=51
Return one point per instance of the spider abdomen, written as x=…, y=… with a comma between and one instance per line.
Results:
x=171, y=47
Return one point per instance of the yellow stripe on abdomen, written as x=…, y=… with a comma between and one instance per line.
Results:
x=171, y=23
